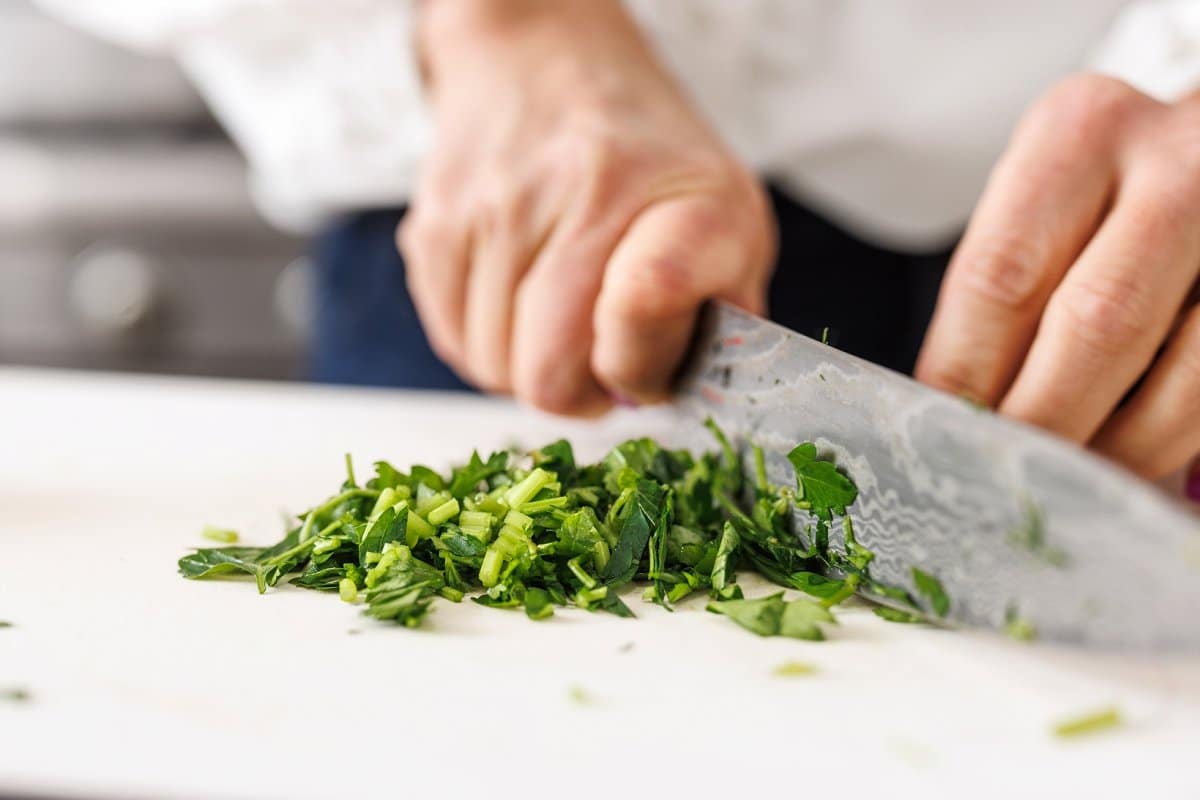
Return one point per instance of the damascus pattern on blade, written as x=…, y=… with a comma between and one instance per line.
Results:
x=947, y=487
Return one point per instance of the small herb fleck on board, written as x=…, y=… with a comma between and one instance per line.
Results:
x=794, y=669
x=1099, y=721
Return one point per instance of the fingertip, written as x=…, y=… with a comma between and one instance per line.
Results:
x=562, y=389
x=636, y=360
x=586, y=402
x=1192, y=485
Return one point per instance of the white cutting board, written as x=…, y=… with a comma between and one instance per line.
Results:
x=144, y=684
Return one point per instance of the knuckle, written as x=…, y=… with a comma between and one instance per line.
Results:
x=1007, y=272
x=1181, y=170
x=419, y=239
x=1108, y=315
x=596, y=156
x=1087, y=98
x=653, y=290
x=500, y=205
x=1170, y=214
x=1087, y=110
x=603, y=175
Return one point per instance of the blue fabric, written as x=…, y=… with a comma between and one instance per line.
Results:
x=367, y=331
x=875, y=302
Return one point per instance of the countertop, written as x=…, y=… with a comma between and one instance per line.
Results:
x=142, y=684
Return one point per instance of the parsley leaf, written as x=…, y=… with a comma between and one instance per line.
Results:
x=820, y=482
x=211, y=562
x=1030, y=535
x=774, y=616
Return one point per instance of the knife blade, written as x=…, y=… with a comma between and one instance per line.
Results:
x=1014, y=522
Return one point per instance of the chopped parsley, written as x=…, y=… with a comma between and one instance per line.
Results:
x=542, y=531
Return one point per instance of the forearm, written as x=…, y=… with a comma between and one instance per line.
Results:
x=542, y=35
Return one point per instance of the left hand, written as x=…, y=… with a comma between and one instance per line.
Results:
x=1077, y=277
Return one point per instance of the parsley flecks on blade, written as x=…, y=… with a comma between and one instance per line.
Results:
x=1030, y=535
x=534, y=532
x=931, y=589
x=896, y=615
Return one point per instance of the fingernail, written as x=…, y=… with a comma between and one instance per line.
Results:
x=1193, y=482
x=623, y=400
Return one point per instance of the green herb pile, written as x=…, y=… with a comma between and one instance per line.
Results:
x=545, y=531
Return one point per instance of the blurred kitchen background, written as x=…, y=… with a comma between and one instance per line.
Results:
x=128, y=240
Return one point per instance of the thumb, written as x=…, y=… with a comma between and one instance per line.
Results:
x=672, y=258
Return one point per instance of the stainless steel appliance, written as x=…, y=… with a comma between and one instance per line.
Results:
x=127, y=235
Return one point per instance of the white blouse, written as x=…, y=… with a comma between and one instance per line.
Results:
x=884, y=114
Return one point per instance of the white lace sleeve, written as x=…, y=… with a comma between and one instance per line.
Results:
x=323, y=97
x=141, y=24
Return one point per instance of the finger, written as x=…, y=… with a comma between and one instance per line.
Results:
x=1042, y=203
x=675, y=256
x=1110, y=315
x=552, y=328
x=435, y=260
x=1158, y=430
x=508, y=238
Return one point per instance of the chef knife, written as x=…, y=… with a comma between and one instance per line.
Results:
x=1015, y=523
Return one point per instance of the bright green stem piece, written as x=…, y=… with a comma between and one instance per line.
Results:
x=446, y=511
x=530, y=485
x=489, y=570
x=329, y=505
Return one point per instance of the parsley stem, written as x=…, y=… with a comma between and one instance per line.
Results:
x=329, y=505
x=530, y=485
x=582, y=574
x=760, y=471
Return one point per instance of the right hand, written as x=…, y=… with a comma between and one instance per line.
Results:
x=575, y=211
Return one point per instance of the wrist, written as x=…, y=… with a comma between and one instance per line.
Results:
x=449, y=32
